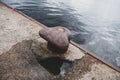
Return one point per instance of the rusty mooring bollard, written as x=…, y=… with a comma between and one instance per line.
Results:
x=58, y=38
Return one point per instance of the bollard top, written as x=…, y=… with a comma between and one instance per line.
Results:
x=58, y=37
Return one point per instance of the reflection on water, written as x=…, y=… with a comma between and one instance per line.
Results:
x=95, y=23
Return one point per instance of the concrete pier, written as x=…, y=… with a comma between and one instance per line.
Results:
x=16, y=27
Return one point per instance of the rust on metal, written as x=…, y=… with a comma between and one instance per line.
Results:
x=58, y=38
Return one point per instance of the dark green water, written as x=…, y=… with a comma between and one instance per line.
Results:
x=95, y=24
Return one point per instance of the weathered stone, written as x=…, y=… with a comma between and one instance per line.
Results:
x=39, y=48
x=58, y=38
x=19, y=63
x=14, y=28
x=24, y=56
x=89, y=68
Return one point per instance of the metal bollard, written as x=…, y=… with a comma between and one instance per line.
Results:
x=58, y=38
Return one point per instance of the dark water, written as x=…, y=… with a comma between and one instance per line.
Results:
x=95, y=24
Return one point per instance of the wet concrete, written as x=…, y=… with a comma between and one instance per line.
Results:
x=19, y=63
x=89, y=68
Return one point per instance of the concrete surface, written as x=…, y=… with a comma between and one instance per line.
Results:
x=15, y=28
x=40, y=46
x=20, y=63
x=89, y=68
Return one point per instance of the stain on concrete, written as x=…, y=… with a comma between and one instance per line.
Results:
x=19, y=63
x=89, y=68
